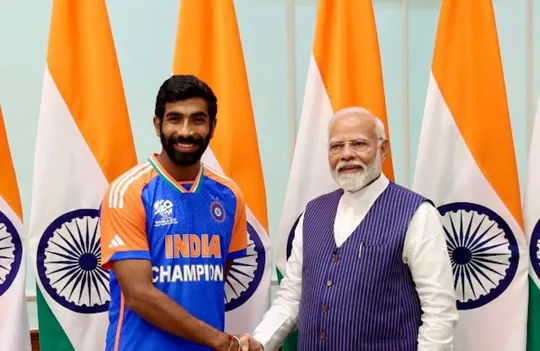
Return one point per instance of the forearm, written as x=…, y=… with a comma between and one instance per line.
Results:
x=161, y=311
x=276, y=325
x=281, y=319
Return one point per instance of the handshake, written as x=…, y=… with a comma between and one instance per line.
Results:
x=248, y=343
x=245, y=342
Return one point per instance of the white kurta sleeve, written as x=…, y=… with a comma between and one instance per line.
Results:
x=280, y=320
x=426, y=254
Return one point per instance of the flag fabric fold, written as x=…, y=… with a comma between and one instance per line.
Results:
x=14, y=326
x=83, y=142
x=466, y=165
x=208, y=46
x=344, y=70
x=532, y=229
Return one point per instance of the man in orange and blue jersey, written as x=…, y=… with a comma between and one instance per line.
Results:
x=169, y=228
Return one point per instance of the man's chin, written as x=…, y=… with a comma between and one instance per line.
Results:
x=184, y=159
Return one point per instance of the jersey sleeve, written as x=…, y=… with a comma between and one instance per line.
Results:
x=123, y=227
x=238, y=245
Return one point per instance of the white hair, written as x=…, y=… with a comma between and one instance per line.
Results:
x=359, y=111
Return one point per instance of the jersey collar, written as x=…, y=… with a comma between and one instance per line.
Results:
x=195, y=185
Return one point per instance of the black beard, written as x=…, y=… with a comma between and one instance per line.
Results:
x=184, y=159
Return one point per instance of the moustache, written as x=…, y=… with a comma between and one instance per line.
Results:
x=343, y=164
x=195, y=140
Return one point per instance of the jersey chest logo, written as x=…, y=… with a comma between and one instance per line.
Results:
x=217, y=211
x=163, y=210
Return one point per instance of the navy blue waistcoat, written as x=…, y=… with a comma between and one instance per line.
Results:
x=360, y=296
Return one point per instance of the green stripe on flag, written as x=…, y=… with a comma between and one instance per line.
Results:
x=51, y=334
x=290, y=343
x=533, y=325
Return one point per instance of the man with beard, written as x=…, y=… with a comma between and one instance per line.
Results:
x=369, y=268
x=169, y=228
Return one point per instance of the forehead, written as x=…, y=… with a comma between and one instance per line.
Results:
x=352, y=126
x=190, y=106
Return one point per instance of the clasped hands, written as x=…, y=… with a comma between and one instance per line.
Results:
x=247, y=343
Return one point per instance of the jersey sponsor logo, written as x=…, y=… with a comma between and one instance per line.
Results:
x=116, y=241
x=164, y=210
x=192, y=246
x=187, y=273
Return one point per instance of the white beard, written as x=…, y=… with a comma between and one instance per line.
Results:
x=353, y=182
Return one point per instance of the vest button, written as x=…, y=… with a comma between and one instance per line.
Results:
x=334, y=258
x=324, y=308
x=322, y=335
x=329, y=282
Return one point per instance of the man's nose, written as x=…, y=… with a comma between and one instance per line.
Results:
x=185, y=129
x=347, y=153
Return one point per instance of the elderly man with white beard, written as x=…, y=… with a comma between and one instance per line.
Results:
x=369, y=268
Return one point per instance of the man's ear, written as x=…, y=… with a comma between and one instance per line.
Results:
x=384, y=149
x=157, y=125
x=212, y=130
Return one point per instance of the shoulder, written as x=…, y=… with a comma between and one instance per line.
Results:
x=333, y=195
x=408, y=194
x=427, y=210
x=225, y=182
x=129, y=185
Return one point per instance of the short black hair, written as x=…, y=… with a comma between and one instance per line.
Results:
x=182, y=87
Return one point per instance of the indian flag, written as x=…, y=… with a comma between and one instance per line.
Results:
x=14, y=328
x=466, y=165
x=532, y=228
x=208, y=45
x=83, y=142
x=344, y=70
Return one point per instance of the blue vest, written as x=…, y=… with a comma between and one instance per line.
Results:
x=360, y=296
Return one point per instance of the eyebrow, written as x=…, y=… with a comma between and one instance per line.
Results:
x=194, y=114
x=359, y=138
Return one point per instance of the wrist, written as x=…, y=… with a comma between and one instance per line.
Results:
x=222, y=341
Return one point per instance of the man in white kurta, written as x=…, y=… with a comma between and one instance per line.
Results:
x=357, y=147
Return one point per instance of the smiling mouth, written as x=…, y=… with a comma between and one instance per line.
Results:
x=186, y=147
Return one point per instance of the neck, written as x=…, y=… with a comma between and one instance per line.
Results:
x=179, y=173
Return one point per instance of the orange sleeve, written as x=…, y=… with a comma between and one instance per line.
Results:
x=239, y=237
x=123, y=226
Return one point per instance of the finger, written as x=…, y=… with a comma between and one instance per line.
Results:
x=244, y=343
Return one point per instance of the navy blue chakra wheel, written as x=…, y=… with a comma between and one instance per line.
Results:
x=69, y=262
x=483, y=251
x=534, y=249
x=10, y=253
x=246, y=272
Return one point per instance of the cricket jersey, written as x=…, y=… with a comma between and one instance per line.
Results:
x=187, y=231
